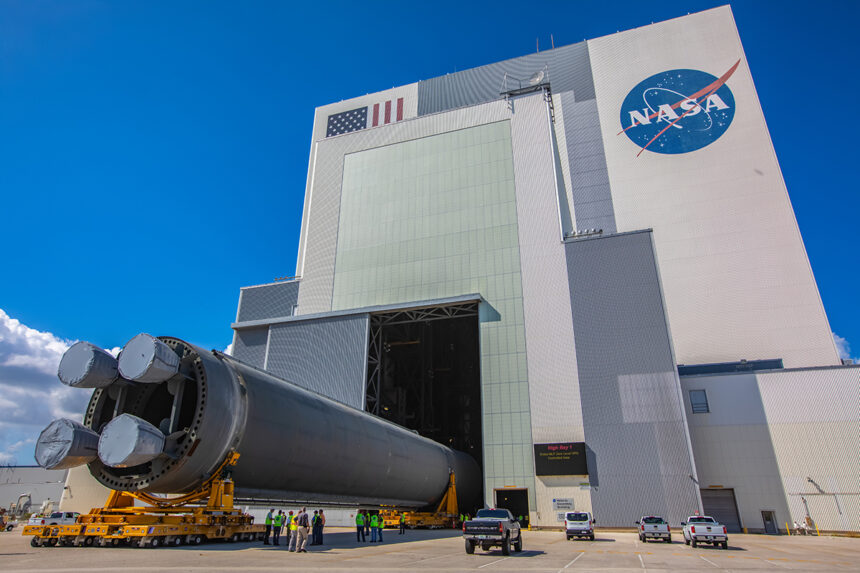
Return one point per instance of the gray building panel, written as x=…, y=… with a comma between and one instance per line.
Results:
x=268, y=301
x=592, y=196
x=327, y=356
x=633, y=415
x=569, y=69
x=250, y=346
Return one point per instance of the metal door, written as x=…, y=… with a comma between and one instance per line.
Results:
x=720, y=504
x=769, y=521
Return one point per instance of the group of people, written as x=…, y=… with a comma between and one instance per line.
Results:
x=372, y=525
x=296, y=528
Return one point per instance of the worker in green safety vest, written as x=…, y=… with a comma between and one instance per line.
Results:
x=381, y=525
x=268, y=526
x=277, y=524
x=373, y=526
x=294, y=533
x=402, y=524
x=359, y=527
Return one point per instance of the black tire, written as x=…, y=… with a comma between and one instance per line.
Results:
x=725, y=544
x=52, y=542
x=686, y=541
x=89, y=540
x=643, y=539
x=591, y=537
x=569, y=537
x=506, y=546
x=34, y=542
x=693, y=543
x=518, y=544
x=470, y=547
x=197, y=539
x=669, y=539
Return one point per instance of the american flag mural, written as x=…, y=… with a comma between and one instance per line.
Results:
x=382, y=113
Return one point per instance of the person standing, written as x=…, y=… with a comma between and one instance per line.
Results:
x=366, y=522
x=303, y=527
x=402, y=524
x=277, y=523
x=288, y=527
x=322, y=525
x=294, y=532
x=314, y=518
x=381, y=525
x=359, y=527
x=373, y=526
x=268, y=526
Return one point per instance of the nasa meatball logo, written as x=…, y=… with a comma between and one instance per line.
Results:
x=678, y=111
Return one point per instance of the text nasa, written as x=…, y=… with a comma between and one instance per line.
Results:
x=666, y=113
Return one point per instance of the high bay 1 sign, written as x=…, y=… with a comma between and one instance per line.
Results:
x=563, y=459
x=678, y=111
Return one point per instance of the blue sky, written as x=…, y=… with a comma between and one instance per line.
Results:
x=153, y=155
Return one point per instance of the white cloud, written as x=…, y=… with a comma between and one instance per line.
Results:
x=844, y=348
x=31, y=396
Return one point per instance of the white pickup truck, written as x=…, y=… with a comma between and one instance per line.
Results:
x=56, y=518
x=705, y=529
x=653, y=527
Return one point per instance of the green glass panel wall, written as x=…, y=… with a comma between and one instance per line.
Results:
x=436, y=217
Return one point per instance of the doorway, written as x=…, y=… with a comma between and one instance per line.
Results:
x=515, y=500
x=769, y=521
x=722, y=506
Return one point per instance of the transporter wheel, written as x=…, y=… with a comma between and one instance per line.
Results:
x=197, y=539
x=177, y=541
x=155, y=543
x=89, y=540
x=34, y=542
x=506, y=546
x=470, y=547
x=234, y=538
x=518, y=544
x=52, y=542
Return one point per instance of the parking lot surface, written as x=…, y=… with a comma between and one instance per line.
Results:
x=419, y=550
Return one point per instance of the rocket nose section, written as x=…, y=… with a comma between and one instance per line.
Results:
x=66, y=444
x=129, y=441
x=85, y=365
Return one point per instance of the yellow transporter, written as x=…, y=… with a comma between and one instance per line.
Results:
x=445, y=515
x=167, y=521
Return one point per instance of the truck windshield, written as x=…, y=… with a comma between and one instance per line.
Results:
x=496, y=513
x=577, y=517
x=702, y=520
x=657, y=520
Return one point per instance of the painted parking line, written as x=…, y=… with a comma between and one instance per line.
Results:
x=706, y=560
x=572, y=562
x=491, y=562
x=772, y=563
x=642, y=563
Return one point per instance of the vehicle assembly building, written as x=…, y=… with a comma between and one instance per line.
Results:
x=581, y=267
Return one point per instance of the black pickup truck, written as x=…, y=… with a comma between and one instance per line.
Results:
x=493, y=528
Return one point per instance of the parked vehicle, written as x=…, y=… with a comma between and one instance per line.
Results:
x=705, y=529
x=579, y=524
x=654, y=527
x=55, y=518
x=493, y=528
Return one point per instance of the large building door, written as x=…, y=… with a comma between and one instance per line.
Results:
x=721, y=505
x=515, y=500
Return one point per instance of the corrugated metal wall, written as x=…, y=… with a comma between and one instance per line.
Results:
x=268, y=301
x=768, y=433
x=326, y=355
x=569, y=69
x=249, y=346
x=635, y=428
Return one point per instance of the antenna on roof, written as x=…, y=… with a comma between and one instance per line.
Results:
x=537, y=44
x=552, y=41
